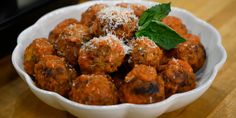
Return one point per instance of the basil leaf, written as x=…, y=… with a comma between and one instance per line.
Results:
x=156, y=12
x=161, y=34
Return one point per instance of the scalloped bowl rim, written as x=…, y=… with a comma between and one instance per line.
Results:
x=171, y=99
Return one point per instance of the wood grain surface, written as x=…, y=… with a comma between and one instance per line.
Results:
x=17, y=101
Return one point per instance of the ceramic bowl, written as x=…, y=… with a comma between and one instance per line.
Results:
x=210, y=38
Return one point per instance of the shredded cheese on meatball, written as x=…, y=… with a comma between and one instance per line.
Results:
x=109, y=39
x=116, y=16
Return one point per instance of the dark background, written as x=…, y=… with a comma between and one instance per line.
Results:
x=14, y=19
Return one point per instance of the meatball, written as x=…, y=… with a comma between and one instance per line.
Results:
x=54, y=34
x=89, y=15
x=52, y=73
x=119, y=21
x=138, y=8
x=145, y=51
x=191, y=51
x=178, y=77
x=192, y=37
x=93, y=90
x=70, y=41
x=176, y=24
x=101, y=55
x=142, y=86
x=34, y=52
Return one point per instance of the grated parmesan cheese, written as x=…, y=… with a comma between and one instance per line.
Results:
x=175, y=60
x=115, y=16
x=109, y=39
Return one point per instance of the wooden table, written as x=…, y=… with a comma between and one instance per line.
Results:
x=17, y=101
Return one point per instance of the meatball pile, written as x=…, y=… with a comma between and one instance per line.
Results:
x=99, y=61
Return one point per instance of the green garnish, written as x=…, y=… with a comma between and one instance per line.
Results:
x=161, y=34
x=156, y=12
x=150, y=25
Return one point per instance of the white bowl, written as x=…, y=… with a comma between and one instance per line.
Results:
x=216, y=56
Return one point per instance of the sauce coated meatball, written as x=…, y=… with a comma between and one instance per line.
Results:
x=191, y=51
x=89, y=15
x=142, y=86
x=54, y=34
x=192, y=37
x=178, y=77
x=119, y=21
x=70, y=40
x=34, y=52
x=101, y=55
x=52, y=73
x=176, y=24
x=145, y=51
x=138, y=8
x=94, y=90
